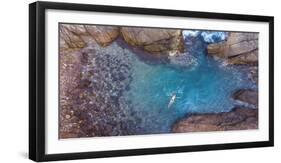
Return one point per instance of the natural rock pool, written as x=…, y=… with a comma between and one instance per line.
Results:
x=205, y=86
x=152, y=81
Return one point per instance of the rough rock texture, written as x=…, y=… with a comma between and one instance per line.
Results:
x=253, y=70
x=104, y=35
x=70, y=69
x=237, y=119
x=158, y=41
x=71, y=36
x=76, y=36
x=92, y=81
x=152, y=40
x=247, y=95
x=239, y=48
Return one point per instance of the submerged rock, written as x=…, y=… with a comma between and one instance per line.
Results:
x=239, y=48
x=92, y=86
x=154, y=40
x=247, y=95
x=237, y=119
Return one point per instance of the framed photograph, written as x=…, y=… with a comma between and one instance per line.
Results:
x=111, y=81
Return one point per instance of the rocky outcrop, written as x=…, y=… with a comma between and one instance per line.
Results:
x=70, y=72
x=71, y=36
x=154, y=40
x=237, y=119
x=239, y=48
x=104, y=35
x=247, y=96
x=76, y=36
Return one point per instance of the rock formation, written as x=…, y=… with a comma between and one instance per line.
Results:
x=239, y=48
x=152, y=40
x=95, y=71
x=247, y=96
x=104, y=35
x=71, y=36
x=159, y=41
x=237, y=119
x=70, y=70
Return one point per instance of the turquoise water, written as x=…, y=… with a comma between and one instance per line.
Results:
x=204, y=87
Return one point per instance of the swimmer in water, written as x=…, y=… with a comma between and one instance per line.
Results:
x=173, y=98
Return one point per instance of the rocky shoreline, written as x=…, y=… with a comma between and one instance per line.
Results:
x=238, y=49
x=153, y=40
x=95, y=70
x=236, y=119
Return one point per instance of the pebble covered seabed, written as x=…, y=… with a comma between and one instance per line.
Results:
x=123, y=93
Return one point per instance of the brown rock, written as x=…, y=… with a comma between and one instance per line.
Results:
x=237, y=119
x=104, y=35
x=248, y=58
x=217, y=49
x=254, y=73
x=76, y=36
x=70, y=36
x=158, y=41
x=76, y=29
x=240, y=48
x=247, y=95
x=70, y=70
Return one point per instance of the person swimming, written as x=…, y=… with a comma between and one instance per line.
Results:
x=172, y=100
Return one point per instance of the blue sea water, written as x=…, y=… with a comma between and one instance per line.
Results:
x=204, y=87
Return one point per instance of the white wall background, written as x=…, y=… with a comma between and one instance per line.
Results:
x=14, y=79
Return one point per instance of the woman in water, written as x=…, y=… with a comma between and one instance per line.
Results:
x=172, y=100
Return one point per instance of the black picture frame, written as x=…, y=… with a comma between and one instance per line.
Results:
x=37, y=81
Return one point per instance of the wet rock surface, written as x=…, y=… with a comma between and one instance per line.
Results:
x=248, y=96
x=237, y=119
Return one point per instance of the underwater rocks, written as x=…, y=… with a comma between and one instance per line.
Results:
x=248, y=96
x=239, y=48
x=92, y=86
x=237, y=119
x=158, y=41
x=102, y=108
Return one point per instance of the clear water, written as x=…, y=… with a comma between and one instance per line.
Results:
x=205, y=87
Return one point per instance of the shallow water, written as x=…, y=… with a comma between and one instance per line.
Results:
x=205, y=86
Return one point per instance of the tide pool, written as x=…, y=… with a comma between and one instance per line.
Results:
x=205, y=86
